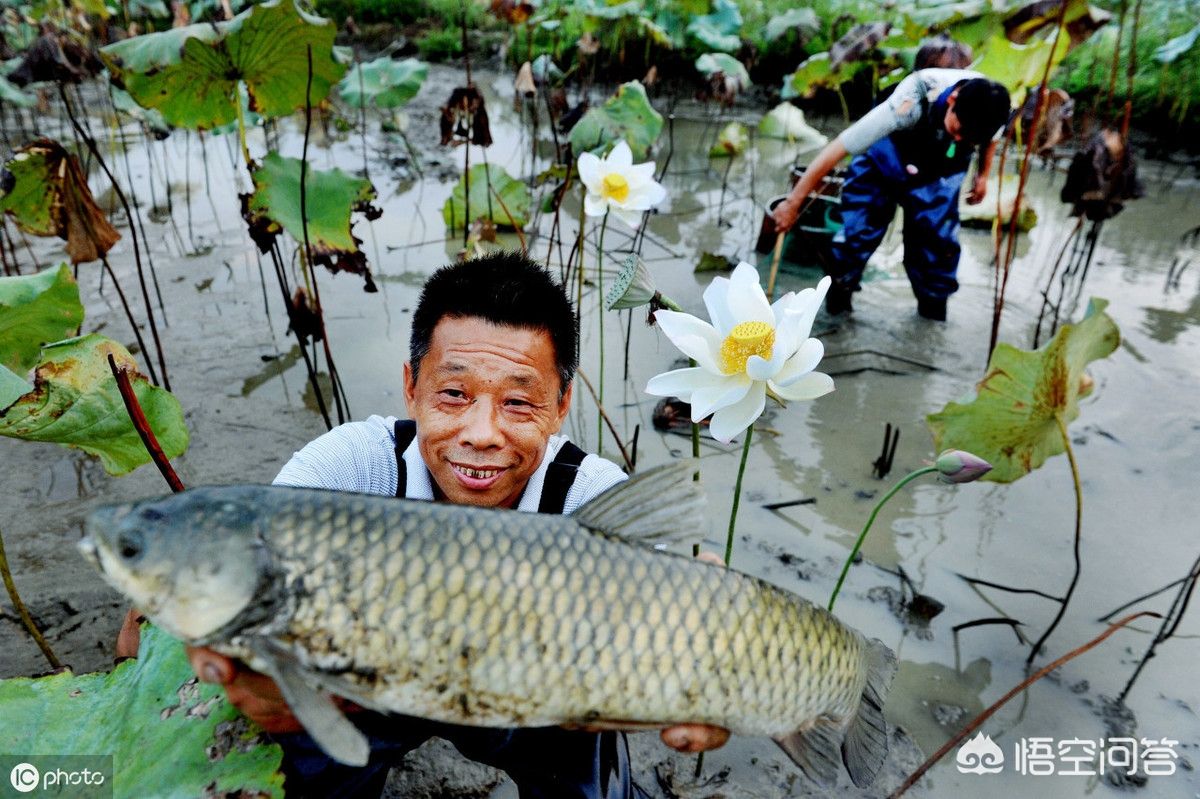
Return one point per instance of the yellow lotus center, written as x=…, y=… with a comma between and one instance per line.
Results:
x=748, y=338
x=614, y=187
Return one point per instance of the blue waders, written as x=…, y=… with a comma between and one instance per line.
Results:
x=545, y=763
x=882, y=178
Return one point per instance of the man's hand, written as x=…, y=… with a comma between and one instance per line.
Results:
x=256, y=695
x=978, y=190
x=697, y=737
x=785, y=215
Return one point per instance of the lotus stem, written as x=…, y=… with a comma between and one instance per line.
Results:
x=737, y=495
x=600, y=324
x=1062, y=609
x=23, y=612
x=695, y=452
x=985, y=715
x=241, y=125
x=908, y=478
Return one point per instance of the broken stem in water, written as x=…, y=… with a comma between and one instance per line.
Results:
x=23, y=611
x=1062, y=609
x=985, y=715
x=908, y=478
x=142, y=425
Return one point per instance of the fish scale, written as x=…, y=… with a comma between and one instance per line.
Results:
x=508, y=646
x=498, y=618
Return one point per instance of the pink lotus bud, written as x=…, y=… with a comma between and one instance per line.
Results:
x=956, y=466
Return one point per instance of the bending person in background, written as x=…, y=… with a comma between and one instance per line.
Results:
x=911, y=150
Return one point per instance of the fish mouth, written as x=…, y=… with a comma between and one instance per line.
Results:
x=87, y=548
x=477, y=478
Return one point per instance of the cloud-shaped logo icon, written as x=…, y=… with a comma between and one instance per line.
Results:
x=24, y=777
x=980, y=755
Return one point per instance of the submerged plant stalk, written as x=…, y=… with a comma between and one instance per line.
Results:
x=1062, y=609
x=22, y=611
x=987, y=714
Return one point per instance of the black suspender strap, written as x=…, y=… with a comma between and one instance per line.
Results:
x=406, y=431
x=560, y=476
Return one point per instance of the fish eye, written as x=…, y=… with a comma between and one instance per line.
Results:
x=152, y=515
x=129, y=545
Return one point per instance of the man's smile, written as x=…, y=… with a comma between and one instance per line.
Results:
x=477, y=477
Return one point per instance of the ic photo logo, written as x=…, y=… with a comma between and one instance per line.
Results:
x=24, y=777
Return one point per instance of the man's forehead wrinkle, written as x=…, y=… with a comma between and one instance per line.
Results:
x=514, y=374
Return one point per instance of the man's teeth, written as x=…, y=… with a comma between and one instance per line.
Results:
x=478, y=474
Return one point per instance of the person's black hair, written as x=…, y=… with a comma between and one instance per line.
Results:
x=982, y=107
x=504, y=288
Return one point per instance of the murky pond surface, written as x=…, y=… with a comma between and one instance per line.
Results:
x=243, y=387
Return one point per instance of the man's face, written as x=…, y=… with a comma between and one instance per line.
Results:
x=952, y=123
x=486, y=401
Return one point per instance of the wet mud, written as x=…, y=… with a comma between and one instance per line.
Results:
x=248, y=406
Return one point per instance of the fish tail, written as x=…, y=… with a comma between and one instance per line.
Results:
x=861, y=739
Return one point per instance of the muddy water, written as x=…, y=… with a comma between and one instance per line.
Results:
x=240, y=378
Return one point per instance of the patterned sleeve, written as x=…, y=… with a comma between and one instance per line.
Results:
x=350, y=457
x=901, y=110
x=596, y=475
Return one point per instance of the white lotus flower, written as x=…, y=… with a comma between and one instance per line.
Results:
x=750, y=348
x=614, y=183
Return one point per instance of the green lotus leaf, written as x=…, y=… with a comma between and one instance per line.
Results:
x=1021, y=66
x=383, y=82
x=146, y=8
x=732, y=140
x=513, y=196
x=626, y=115
x=711, y=63
x=191, y=74
x=33, y=197
x=9, y=93
x=165, y=730
x=599, y=9
x=151, y=117
x=75, y=402
x=816, y=72
x=12, y=387
x=330, y=197
x=786, y=121
x=1013, y=421
x=1176, y=47
x=802, y=20
x=34, y=310
x=719, y=29
x=1080, y=19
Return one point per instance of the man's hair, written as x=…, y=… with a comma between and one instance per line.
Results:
x=504, y=288
x=982, y=107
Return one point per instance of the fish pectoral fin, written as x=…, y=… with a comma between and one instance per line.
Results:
x=660, y=505
x=322, y=719
x=815, y=749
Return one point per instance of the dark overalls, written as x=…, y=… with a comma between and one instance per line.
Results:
x=545, y=763
x=921, y=169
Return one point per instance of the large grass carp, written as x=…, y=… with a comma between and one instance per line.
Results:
x=498, y=618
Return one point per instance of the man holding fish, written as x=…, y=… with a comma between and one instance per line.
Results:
x=528, y=640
